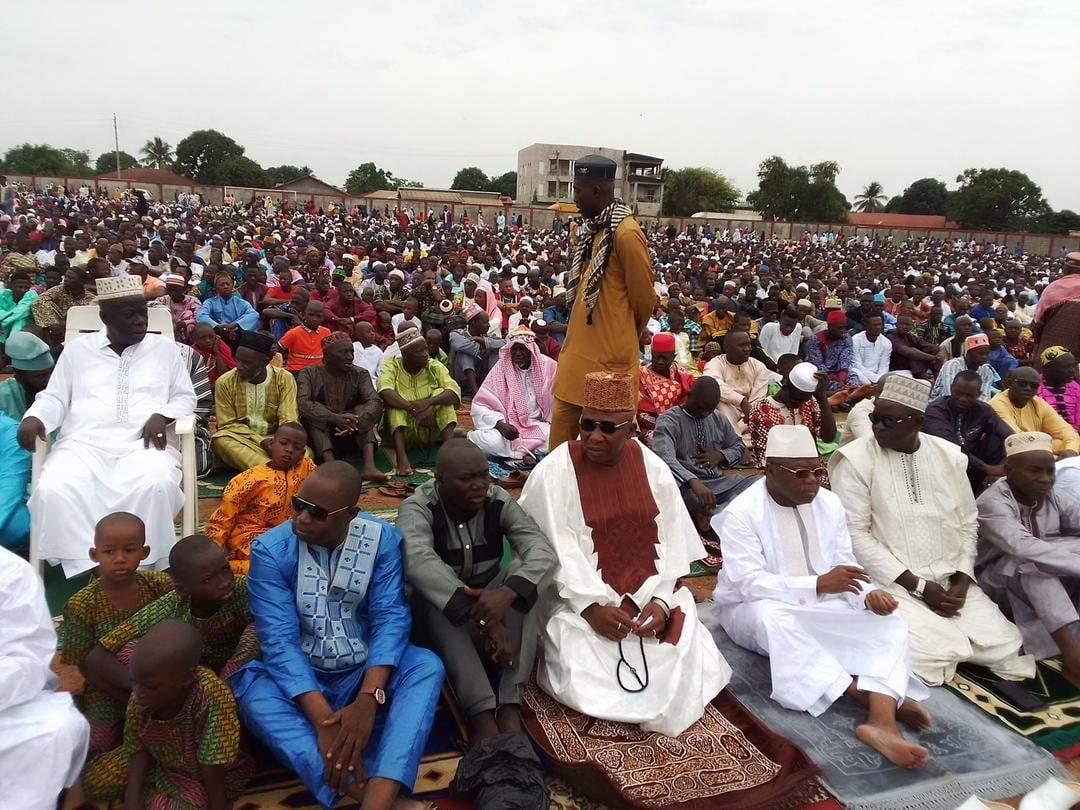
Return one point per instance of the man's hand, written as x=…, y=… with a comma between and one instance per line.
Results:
x=744, y=406
x=30, y=430
x=842, y=579
x=994, y=470
x=344, y=757
x=821, y=392
x=346, y=423
x=153, y=431
x=941, y=601
x=958, y=587
x=881, y=603
x=651, y=622
x=704, y=494
x=612, y=623
x=491, y=603
x=710, y=459
x=497, y=644
x=508, y=432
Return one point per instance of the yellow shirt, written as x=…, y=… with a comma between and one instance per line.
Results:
x=1038, y=416
x=610, y=342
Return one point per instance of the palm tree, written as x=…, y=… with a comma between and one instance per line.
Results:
x=872, y=198
x=157, y=153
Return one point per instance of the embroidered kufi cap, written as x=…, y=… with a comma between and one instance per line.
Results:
x=906, y=391
x=109, y=289
x=408, y=338
x=1030, y=442
x=610, y=392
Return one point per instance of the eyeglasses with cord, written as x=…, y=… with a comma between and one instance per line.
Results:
x=300, y=506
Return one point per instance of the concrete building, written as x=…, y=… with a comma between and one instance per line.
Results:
x=546, y=175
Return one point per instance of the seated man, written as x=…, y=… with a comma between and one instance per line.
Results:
x=475, y=352
x=832, y=351
x=801, y=400
x=697, y=442
x=871, y=352
x=469, y=606
x=910, y=353
x=913, y=525
x=790, y=589
x=598, y=499
x=1024, y=412
x=743, y=381
x=339, y=407
x=1029, y=551
x=1059, y=389
x=32, y=363
x=338, y=695
x=43, y=737
x=512, y=409
x=421, y=398
x=226, y=312
x=251, y=402
x=259, y=499
x=972, y=425
x=662, y=385
x=977, y=351
x=50, y=309
x=112, y=395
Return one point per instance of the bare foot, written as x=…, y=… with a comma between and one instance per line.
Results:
x=1071, y=676
x=508, y=718
x=373, y=474
x=914, y=716
x=403, y=472
x=892, y=745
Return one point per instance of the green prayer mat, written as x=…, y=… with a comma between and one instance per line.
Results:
x=1054, y=725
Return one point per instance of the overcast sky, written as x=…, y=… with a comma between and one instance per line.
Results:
x=891, y=91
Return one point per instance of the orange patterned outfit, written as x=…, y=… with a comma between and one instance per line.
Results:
x=255, y=501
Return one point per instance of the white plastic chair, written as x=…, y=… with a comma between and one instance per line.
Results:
x=81, y=321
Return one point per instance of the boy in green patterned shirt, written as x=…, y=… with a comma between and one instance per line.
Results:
x=181, y=748
x=118, y=591
x=207, y=595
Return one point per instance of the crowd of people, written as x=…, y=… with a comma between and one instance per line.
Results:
x=873, y=443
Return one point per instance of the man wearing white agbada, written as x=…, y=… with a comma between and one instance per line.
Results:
x=913, y=524
x=43, y=737
x=620, y=642
x=790, y=589
x=112, y=395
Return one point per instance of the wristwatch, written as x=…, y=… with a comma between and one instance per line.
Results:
x=376, y=692
x=917, y=591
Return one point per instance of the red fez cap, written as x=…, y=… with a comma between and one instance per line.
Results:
x=836, y=316
x=663, y=342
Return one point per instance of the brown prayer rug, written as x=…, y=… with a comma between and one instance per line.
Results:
x=727, y=758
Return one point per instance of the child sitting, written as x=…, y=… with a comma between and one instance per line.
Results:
x=214, y=351
x=206, y=595
x=181, y=745
x=304, y=343
x=118, y=590
x=260, y=498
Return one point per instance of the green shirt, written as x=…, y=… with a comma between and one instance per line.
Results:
x=12, y=399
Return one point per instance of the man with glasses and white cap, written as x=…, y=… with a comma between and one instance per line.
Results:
x=113, y=396
x=1029, y=551
x=621, y=640
x=914, y=525
x=791, y=589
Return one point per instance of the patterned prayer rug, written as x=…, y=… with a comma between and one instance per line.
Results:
x=726, y=757
x=1053, y=725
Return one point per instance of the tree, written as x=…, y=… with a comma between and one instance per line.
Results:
x=283, y=174
x=106, y=162
x=1064, y=221
x=925, y=196
x=871, y=199
x=79, y=160
x=798, y=193
x=157, y=153
x=505, y=184
x=472, y=179
x=692, y=189
x=43, y=159
x=366, y=178
x=201, y=154
x=997, y=200
x=240, y=170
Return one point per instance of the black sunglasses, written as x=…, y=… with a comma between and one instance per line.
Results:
x=888, y=422
x=607, y=428
x=300, y=506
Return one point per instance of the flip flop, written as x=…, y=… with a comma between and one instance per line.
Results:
x=397, y=490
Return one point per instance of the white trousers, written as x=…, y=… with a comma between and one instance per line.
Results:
x=43, y=746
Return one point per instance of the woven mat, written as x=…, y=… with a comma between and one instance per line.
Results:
x=1055, y=725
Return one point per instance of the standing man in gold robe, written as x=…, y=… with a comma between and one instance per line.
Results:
x=609, y=291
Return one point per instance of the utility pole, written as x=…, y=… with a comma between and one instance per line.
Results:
x=116, y=144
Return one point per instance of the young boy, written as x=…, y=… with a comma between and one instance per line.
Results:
x=181, y=744
x=214, y=351
x=118, y=591
x=304, y=342
x=260, y=498
x=206, y=595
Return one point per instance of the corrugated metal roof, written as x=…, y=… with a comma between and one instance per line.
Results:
x=149, y=176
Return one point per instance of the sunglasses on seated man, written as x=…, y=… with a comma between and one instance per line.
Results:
x=607, y=428
x=805, y=474
x=888, y=422
x=300, y=506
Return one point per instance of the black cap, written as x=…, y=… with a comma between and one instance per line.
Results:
x=594, y=167
x=256, y=341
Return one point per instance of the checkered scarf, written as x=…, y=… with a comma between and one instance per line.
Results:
x=605, y=223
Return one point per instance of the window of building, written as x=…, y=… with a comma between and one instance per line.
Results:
x=552, y=189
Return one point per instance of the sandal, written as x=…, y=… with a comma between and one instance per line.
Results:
x=397, y=490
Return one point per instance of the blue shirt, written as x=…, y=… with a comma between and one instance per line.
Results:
x=15, y=462
x=1002, y=362
x=217, y=312
x=383, y=616
x=552, y=315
